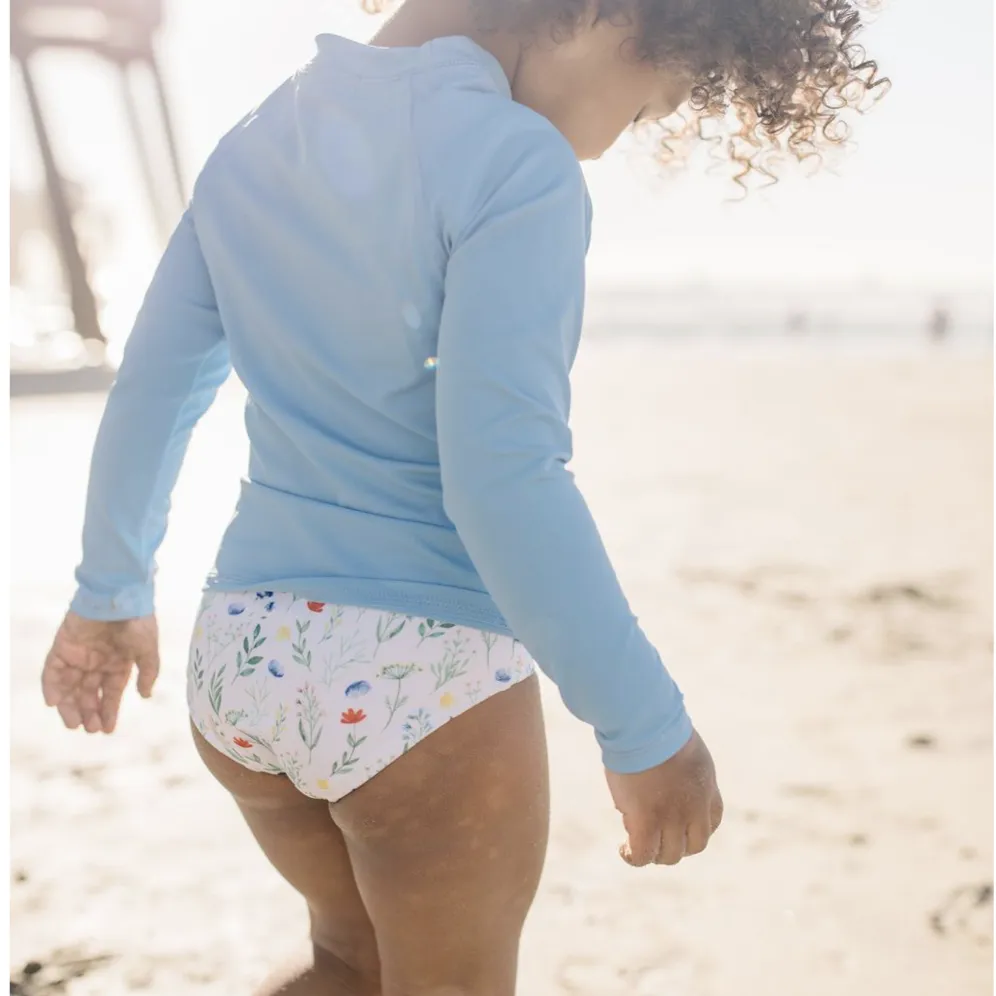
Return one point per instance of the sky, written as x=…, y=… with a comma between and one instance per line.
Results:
x=910, y=206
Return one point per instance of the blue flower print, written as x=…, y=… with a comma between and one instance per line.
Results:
x=357, y=689
x=275, y=669
x=270, y=606
x=236, y=609
x=502, y=675
x=264, y=594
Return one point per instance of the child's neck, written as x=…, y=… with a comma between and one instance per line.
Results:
x=419, y=21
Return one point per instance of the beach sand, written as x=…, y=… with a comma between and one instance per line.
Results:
x=806, y=534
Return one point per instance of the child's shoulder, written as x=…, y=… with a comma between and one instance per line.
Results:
x=488, y=144
x=492, y=129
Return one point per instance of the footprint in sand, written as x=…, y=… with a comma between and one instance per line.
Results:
x=52, y=974
x=966, y=912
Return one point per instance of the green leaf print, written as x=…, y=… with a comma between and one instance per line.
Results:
x=247, y=660
x=398, y=673
x=257, y=693
x=310, y=716
x=490, y=639
x=214, y=689
x=429, y=629
x=388, y=627
x=219, y=640
x=279, y=722
x=299, y=647
x=345, y=764
x=197, y=669
x=335, y=617
x=292, y=767
x=415, y=727
x=393, y=707
x=453, y=664
x=350, y=650
x=258, y=740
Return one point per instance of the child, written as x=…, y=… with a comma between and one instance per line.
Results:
x=390, y=254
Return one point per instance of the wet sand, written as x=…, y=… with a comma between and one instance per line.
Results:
x=808, y=537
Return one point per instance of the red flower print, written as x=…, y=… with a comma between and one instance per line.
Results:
x=316, y=606
x=241, y=742
x=353, y=716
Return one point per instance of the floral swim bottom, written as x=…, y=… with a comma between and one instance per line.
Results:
x=330, y=694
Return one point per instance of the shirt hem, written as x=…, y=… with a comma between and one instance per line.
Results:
x=461, y=607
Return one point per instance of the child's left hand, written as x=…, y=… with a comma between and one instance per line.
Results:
x=88, y=667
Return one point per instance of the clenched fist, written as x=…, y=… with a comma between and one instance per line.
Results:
x=669, y=811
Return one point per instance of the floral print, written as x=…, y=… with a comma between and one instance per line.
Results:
x=329, y=694
x=309, y=719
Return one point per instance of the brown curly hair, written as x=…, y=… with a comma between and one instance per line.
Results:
x=767, y=76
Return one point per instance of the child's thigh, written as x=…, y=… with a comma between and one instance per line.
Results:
x=306, y=847
x=447, y=845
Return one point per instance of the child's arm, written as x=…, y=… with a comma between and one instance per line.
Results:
x=175, y=361
x=510, y=324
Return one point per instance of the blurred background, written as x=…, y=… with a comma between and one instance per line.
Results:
x=881, y=241
x=783, y=420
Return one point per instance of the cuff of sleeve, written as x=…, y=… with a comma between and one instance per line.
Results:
x=129, y=603
x=662, y=748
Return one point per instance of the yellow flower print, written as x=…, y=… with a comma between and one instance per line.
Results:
x=198, y=632
x=446, y=700
x=322, y=783
x=283, y=633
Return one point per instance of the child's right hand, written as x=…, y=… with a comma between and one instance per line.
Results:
x=670, y=811
x=88, y=667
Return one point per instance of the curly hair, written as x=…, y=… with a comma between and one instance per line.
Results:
x=767, y=76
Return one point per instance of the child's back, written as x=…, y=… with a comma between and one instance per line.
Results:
x=326, y=219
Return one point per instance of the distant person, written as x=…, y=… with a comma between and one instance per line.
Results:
x=390, y=253
x=797, y=322
x=940, y=324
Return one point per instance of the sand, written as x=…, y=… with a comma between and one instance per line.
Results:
x=806, y=533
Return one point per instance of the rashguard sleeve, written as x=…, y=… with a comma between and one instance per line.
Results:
x=175, y=360
x=509, y=328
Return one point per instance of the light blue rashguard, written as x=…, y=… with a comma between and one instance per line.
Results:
x=390, y=253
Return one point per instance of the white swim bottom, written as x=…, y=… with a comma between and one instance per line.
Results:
x=331, y=694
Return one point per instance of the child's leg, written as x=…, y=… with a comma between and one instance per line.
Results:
x=447, y=844
x=307, y=848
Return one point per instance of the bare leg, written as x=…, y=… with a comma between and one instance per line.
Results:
x=307, y=848
x=443, y=849
x=447, y=845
